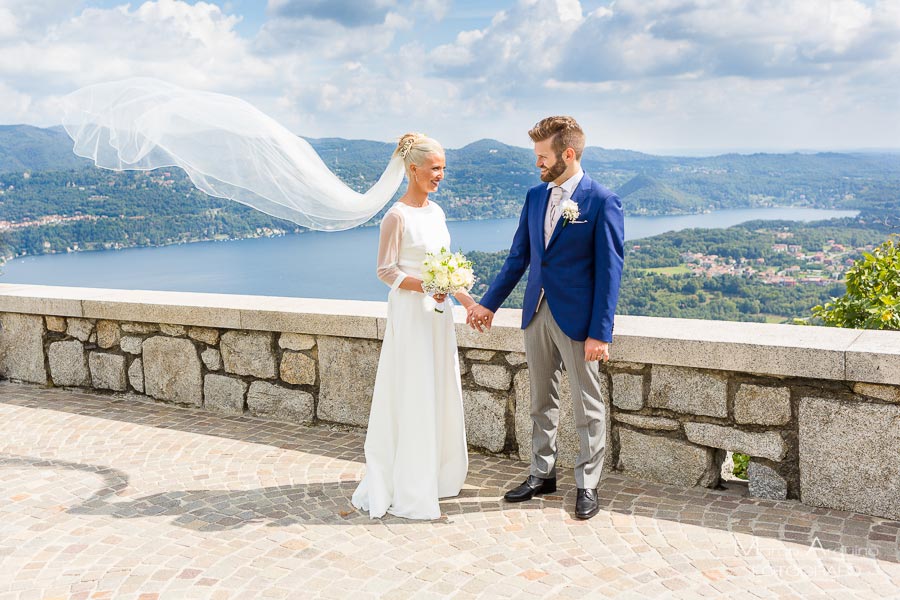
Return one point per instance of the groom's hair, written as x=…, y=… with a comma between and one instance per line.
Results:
x=565, y=131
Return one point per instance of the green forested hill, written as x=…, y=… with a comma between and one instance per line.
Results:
x=488, y=178
x=644, y=194
x=23, y=147
x=735, y=274
x=53, y=201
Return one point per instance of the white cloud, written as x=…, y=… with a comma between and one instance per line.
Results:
x=35, y=15
x=568, y=10
x=15, y=103
x=321, y=41
x=697, y=70
x=436, y=9
x=193, y=45
x=638, y=73
x=9, y=25
x=650, y=38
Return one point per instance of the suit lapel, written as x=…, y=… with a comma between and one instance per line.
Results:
x=540, y=218
x=578, y=197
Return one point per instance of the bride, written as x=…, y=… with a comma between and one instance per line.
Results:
x=416, y=440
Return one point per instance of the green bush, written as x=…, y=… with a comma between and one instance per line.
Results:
x=872, y=300
x=741, y=463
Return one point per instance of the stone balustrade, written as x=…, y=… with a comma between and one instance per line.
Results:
x=817, y=409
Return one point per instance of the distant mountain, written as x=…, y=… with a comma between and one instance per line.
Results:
x=23, y=147
x=596, y=155
x=646, y=195
x=27, y=148
x=488, y=178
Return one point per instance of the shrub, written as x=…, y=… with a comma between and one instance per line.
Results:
x=741, y=464
x=872, y=300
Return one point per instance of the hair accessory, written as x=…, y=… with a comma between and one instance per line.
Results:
x=406, y=146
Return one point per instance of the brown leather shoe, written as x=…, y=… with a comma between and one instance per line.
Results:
x=533, y=486
x=586, y=505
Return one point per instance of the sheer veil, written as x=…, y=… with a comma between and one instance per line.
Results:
x=226, y=146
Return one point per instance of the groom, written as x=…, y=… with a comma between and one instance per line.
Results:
x=570, y=235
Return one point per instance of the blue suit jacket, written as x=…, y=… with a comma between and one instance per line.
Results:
x=581, y=268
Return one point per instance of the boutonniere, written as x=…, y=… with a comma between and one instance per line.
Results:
x=570, y=211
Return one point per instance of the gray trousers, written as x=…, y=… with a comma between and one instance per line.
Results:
x=547, y=350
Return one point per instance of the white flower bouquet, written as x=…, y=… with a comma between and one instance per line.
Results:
x=446, y=272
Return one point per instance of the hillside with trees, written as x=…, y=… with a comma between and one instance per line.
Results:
x=52, y=201
x=736, y=274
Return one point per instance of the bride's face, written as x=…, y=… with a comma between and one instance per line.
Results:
x=428, y=175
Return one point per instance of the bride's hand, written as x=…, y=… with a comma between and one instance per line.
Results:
x=439, y=297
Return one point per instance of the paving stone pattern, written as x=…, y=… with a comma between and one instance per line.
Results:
x=106, y=496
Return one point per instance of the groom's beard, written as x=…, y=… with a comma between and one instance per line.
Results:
x=551, y=173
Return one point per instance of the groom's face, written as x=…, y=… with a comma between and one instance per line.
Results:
x=551, y=163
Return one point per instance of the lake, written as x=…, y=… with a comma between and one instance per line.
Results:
x=315, y=264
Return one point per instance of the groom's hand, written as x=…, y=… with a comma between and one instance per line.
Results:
x=595, y=350
x=479, y=317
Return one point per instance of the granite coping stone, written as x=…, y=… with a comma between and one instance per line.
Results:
x=874, y=357
x=340, y=318
x=760, y=348
x=768, y=349
x=45, y=299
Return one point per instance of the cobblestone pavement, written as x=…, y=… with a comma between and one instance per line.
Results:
x=104, y=497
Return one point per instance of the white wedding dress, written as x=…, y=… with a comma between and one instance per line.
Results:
x=416, y=441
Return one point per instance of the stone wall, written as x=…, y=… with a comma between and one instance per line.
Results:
x=818, y=410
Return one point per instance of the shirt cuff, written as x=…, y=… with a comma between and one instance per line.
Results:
x=398, y=281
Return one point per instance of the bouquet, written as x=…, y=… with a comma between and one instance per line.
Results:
x=446, y=272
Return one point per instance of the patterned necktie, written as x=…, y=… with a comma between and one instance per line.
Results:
x=553, y=213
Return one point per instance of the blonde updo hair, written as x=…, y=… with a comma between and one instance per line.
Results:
x=413, y=148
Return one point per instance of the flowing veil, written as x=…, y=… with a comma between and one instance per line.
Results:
x=227, y=147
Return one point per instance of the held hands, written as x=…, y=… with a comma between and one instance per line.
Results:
x=596, y=350
x=479, y=317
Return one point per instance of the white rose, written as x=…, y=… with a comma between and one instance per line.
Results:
x=442, y=279
x=458, y=279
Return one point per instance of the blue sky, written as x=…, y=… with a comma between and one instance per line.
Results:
x=654, y=75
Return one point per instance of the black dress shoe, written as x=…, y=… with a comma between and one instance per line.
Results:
x=586, y=505
x=533, y=486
